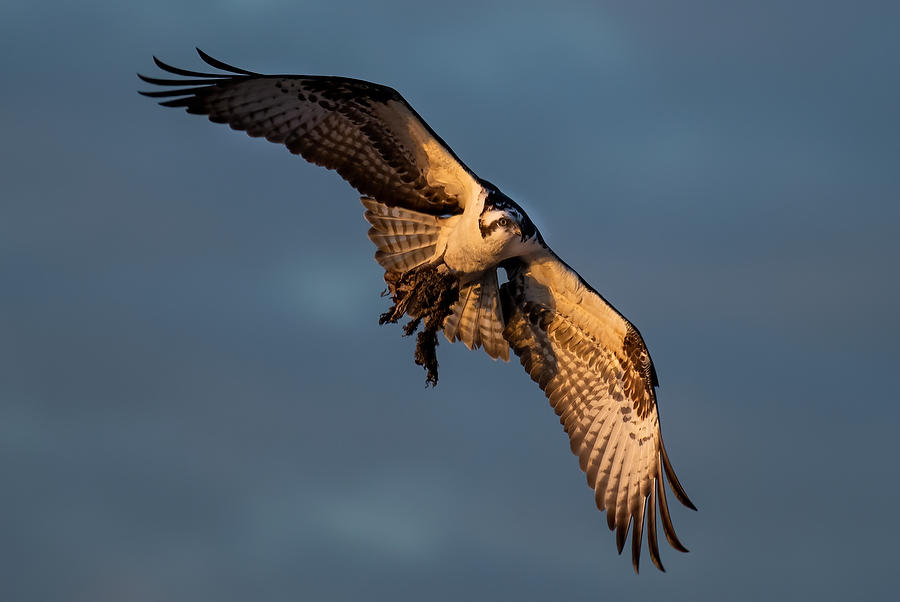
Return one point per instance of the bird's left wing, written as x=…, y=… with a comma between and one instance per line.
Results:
x=594, y=367
x=366, y=132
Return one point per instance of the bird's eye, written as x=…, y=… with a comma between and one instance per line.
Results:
x=503, y=222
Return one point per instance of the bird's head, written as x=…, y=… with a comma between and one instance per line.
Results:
x=505, y=224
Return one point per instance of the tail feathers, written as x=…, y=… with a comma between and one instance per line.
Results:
x=405, y=239
x=477, y=320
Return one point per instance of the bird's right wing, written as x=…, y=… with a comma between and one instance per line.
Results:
x=366, y=132
x=594, y=367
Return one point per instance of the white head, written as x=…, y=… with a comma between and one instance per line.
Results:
x=505, y=227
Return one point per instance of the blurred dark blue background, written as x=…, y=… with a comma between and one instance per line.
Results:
x=197, y=402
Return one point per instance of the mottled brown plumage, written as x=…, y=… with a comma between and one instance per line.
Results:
x=366, y=132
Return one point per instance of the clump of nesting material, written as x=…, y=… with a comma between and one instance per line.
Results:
x=427, y=295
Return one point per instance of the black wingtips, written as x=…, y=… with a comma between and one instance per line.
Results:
x=622, y=535
x=637, y=536
x=223, y=66
x=677, y=488
x=230, y=70
x=194, y=87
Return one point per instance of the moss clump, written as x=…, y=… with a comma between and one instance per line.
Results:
x=425, y=294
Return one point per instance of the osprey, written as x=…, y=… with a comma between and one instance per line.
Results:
x=441, y=234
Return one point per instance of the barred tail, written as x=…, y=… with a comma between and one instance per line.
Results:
x=477, y=319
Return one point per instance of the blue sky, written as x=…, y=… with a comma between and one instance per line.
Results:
x=197, y=402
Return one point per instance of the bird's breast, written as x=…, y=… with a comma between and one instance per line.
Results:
x=468, y=252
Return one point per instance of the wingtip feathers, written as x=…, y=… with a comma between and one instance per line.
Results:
x=222, y=65
x=668, y=527
x=677, y=488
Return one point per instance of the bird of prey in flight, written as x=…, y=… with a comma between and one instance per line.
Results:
x=441, y=234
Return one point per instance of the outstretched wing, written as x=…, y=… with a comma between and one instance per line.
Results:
x=366, y=132
x=595, y=369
